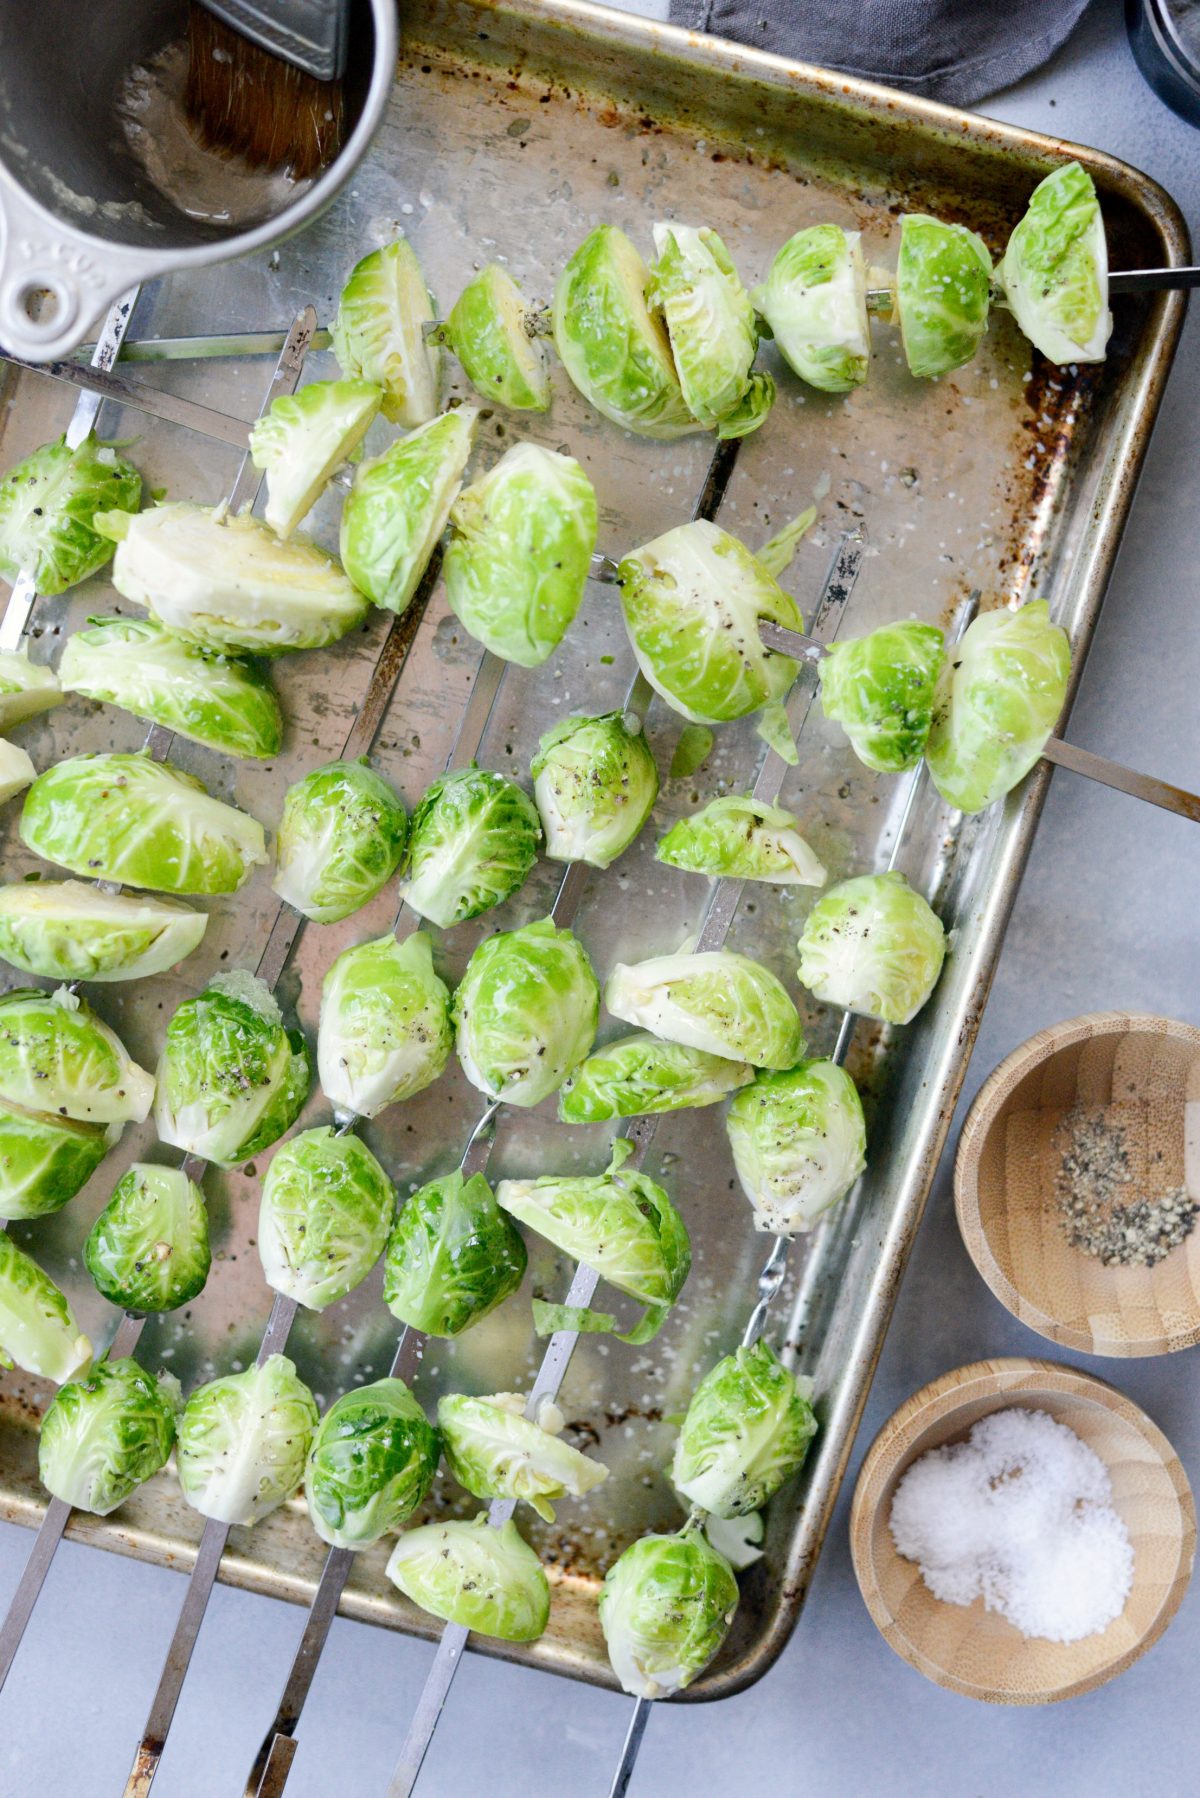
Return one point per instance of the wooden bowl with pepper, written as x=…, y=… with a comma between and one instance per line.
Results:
x=1077, y=1183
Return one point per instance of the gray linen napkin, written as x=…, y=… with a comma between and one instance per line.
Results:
x=952, y=50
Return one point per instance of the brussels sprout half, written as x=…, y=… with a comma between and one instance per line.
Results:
x=148, y=1249
x=525, y=1012
x=474, y=837
x=45, y=1161
x=815, y=302
x=493, y=334
x=495, y=1451
x=639, y=1075
x=324, y=1217
x=379, y=335
x=48, y=506
x=799, y=1143
x=721, y=1002
x=943, y=291
x=520, y=550
x=737, y=836
x=104, y=1435
x=747, y=1430
x=452, y=1257
x=880, y=689
x=229, y=581
x=665, y=1608
x=595, y=784
x=67, y=930
x=231, y=1079
x=489, y=1580
x=58, y=1057
x=340, y=840
x=141, y=823
x=302, y=441
x=38, y=1331
x=693, y=600
x=1055, y=270
x=384, y=1033
x=243, y=1442
x=26, y=688
x=872, y=946
x=222, y=701
x=399, y=505
x=709, y=320
x=371, y=1463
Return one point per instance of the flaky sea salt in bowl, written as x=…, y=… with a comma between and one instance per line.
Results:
x=973, y=1647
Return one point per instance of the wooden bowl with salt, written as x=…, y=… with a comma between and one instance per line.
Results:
x=1089, y=1134
x=978, y=1652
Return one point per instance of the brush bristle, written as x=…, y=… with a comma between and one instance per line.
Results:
x=241, y=101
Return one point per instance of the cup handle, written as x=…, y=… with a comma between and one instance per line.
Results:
x=55, y=282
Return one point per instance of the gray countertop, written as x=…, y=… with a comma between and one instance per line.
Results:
x=1107, y=916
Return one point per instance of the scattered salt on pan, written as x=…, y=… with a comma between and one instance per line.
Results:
x=1019, y=1514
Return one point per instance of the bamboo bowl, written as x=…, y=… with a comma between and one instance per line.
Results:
x=1143, y=1073
x=977, y=1652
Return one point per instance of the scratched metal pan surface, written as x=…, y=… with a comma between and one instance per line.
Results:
x=513, y=130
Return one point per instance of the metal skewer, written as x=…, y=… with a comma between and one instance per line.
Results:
x=168, y=406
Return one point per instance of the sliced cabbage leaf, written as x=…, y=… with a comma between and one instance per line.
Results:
x=495, y=1451
x=45, y=1161
x=340, y=840
x=721, y=1002
x=324, y=1217
x=751, y=410
x=474, y=838
x=814, y=300
x=222, y=701
x=141, y=823
x=229, y=581
x=371, y=1464
x=638, y=1075
x=148, y=1250
x=710, y=321
x=378, y=334
x=243, y=1442
x=385, y=1025
x=799, y=1143
x=595, y=784
x=1055, y=270
x=872, y=946
x=943, y=291
x=614, y=348
x=57, y=1056
x=48, y=507
x=493, y=333
x=26, y=688
x=452, y=1256
x=104, y=1435
x=399, y=505
x=304, y=438
x=737, y=836
x=67, y=930
x=38, y=1331
x=520, y=550
x=880, y=689
x=665, y=1608
x=489, y=1580
x=692, y=601
x=747, y=1430
x=999, y=696
x=525, y=1012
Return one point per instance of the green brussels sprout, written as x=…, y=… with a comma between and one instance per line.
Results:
x=340, y=840
x=719, y=1001
x=665, y=1608
x=148, y=1249
x=324, y=1217
x=222, y=701
x=45, y=1161
x=520, y=550
x=385, y=1025
x=525, y=1012
x=738, y=836
x=614, y=348
x=620, y=1223
x=1055, y=270
x=452, y=1257
x=638, y=1075
x=399, y=505
x=141, y=823
x=379, y=335
x=1000, y=694
x=371, y=1464
x=693, y=601
x=872, y=946
x=243, y=1441
x=56, y=1056
x=710, y=321
x=751, y=410
x=228, y=581
x=595, y=784
x=104, y=1435
x=26, y=688
x=231, y=1079
x=495, y=1451
x=48, y=507
x=747, y=1430
x=16, y=770
x=304, y=439
x=489, y=1580
x=38, y=1331
x=493, y=334
x=67, y=930
x=815, y=302
x=880, y=689
x=943, y=290
x=474, y=838
x=799, y=1143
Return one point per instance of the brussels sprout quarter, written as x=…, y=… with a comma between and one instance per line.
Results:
x=495, y=1451
x=665, y=1608
x=709, y=320
x=104, y=1435
x=16, y=770
x=747, y=1430
x=525, y=1012
x=737, y=836
x=1055, y=269
x=723, y=1003
x=398, y=507
x=495, y=337
x=56, y=1056
x=324, y=1218
x=48, y=505
x=799, y=1144
x=371, y=1464
x=474, y=838
x=303, y=439
x=26, y=688
x=880, y=689
x=452, y=1257
x=244, y=1440
x=148, y=1249
x=379, y=336
x=815, y=301
x=489, y=1580
x=38, y=1331
x=595, y=783
x=45, y=1160
x=340, y=840
x=872, y=946
x=68, y=930
x=638, y=1075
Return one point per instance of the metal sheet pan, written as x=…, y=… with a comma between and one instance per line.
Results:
x=513, y=129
